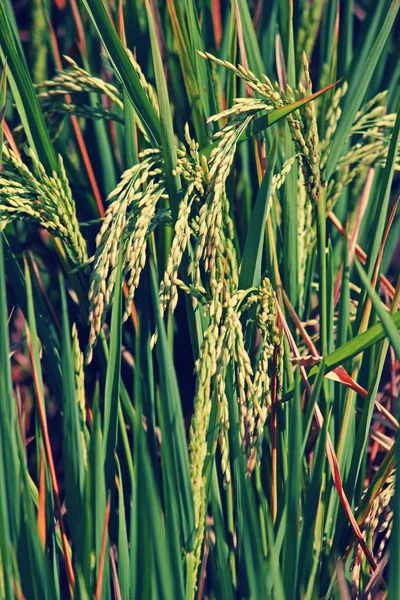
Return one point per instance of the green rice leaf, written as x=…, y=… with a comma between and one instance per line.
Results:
x=24, y=94
x=98, y=495
x=167, y=130
x=355, y=346
x=177, y=459
x=3, y=100
x=250, y=270
x=123, y=548
x=9, y=496
x=154, y=571
x=387, y=321
x=72, y=438
x=112, y=386
x=124, y=69
x=201, y=67
x=249, y=36
x=293, y=491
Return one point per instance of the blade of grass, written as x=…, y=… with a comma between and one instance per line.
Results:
x=253, y=54
x=155, y=579
x=33, y=342
x=24, y=94
x=327, y=34
x=380, y=215
x=375, y=486
x=37, y=582
x=188, y=68
x=361, y=255
x=285, y=20
x=112, y=385
x=289, y=207
x=123, y=548
x=97, y=495
x=247, y=527
x=345, y=46
x=9, y=494
x=330, y=452
x=201, y=69
x=293, y=490
x=77, y=131
x=222, y=548
x=313, y=504
x=167, y=130
x=3, y=102
x=72, y=438
x=124, y=68
x=250, y=269
x=103, y=552
x=358, y=344
x=365, y=421
x=177, y=459
x=45, y=325
x=322, y=291
x=389, y=326
x=308, y=417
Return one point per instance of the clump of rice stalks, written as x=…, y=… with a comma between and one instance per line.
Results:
x=241, y=455
x=203, y=216
x=204, y=232
x=204, y=211
x=260, y=400
x=42, y=199
x=215, y=208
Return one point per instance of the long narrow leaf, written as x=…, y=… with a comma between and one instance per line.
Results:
x=124, y=68
x=24, y=94
x=177, y=459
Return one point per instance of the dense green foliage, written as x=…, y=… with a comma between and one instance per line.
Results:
x=199, y=299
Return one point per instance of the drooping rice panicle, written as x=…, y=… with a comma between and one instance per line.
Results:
x=76, y=80
x=311, y=164
x=211, y=212
x=73, y=80
x=260, y=400
x=134, y=240
x=42, y=199
x=125, y=230
x=377, y=530
x=332, y=117
x=206, y=367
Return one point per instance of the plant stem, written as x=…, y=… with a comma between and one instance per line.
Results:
x=321, y=237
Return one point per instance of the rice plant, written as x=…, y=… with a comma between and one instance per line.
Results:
x=199, y=299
